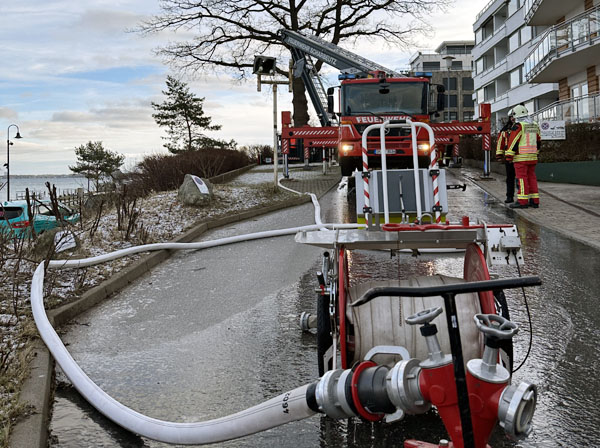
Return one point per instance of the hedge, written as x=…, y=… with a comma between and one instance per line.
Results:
x=582, y=144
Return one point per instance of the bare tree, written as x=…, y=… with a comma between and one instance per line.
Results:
x=228, y=33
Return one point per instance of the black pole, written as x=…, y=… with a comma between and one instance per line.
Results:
x=459, y=371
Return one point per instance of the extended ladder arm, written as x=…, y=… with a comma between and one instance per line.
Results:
x=344, y=60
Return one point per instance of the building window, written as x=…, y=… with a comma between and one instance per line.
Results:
x=478, y=36
x=467, y=83
x=513, y=7
x=452, y=83
x=457, y=65
x=513, y=42
x=516, y=78
x=468, y=101
x=453, y=116
x=431, y=65
x=468, y=116
x=480, y=96
x=525, y=34
x=453, y=101
x=479, y=66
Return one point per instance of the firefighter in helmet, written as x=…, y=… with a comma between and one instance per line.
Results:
x=523, y=146
x=501, y=147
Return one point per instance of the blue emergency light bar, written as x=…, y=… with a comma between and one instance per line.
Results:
x=343, y=76
x=424, y=74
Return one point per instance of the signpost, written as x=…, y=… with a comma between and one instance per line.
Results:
x=553, y=130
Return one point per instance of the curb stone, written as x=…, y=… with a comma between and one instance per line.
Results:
x=31, y=431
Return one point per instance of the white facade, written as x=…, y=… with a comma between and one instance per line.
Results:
x=568, y=52
x=503, y=41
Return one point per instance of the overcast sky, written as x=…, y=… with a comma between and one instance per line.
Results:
x=71, y=73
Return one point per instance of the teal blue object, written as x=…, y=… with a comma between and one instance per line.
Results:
x=582, y=173
x=15, y=220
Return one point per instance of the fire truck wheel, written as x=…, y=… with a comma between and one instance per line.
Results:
x=324, y=339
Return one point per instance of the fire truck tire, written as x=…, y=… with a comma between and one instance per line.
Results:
x=347, y=164
x=324, y=339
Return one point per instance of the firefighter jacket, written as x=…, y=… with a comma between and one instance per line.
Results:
x=501, y=144
x=523, y=142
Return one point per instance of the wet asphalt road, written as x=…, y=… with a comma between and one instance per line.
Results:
x=212, y=332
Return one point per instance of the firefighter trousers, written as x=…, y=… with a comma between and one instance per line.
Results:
x=528, y=187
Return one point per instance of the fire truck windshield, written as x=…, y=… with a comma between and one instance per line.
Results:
x=371, y=98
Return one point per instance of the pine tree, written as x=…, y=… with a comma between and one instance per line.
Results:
x=95, y=162
x=183, y=117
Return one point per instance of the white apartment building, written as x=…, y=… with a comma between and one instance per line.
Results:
x=450, y=64
x=567, y=53
x=503, y=41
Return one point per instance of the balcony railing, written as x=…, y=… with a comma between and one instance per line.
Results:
x=569, y=36
x=582, y=109
x=530, y=7
x=485, y=8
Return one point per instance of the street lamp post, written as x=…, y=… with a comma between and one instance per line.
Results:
x=266, y=65
x=8, y=143
x=448, y=60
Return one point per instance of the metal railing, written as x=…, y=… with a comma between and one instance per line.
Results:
x=531, y=7
x=569, y=36
x=582, y=109
x=485, y=8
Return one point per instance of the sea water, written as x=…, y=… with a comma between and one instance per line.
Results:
x=64, y=185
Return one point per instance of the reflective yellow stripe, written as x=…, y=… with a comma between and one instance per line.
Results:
x=534, y=195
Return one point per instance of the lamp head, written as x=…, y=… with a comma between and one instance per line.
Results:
x=18, y=135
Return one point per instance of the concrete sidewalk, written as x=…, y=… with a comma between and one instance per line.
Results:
x=569, y=209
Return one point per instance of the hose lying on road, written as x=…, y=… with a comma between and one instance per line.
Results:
x=264, y=416
x=285, y=408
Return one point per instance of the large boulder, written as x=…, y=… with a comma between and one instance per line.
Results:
x=195, y=191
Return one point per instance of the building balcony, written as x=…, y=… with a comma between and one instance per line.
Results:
x=546, y=12
x=565, y=49
x=583, y=109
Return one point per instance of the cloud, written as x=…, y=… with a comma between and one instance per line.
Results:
x=10, y=114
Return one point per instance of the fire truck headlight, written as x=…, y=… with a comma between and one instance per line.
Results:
x=423, y=147
x=346, y=148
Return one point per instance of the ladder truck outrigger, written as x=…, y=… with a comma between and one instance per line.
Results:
x=397, y=346
x=369, y=93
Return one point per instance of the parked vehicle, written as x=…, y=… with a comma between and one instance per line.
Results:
x=15, y=218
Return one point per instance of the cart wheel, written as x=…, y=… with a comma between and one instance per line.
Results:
x=506, y=345
x=324, y=339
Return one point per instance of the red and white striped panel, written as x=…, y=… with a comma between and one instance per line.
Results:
x=442, y=140
x=436, y=187
x=329, y=142
x=314, y=132
x=306, y=153
x=455, y=150
x=456, y=128
x=486, y=142
x=285, y=146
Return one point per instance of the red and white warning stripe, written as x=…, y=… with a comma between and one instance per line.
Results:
x=314, y=132
x=436, y=189
x=365, y=160
x=285, y=146
x=455, y=150
x=456, y=128
x=486, y=142
x=329, y=142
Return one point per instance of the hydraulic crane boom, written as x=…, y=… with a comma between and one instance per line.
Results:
x=302, y=47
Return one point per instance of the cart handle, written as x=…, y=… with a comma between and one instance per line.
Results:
x=452, y=288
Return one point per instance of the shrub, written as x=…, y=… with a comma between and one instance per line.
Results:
x=161, y=172
x=582, y=144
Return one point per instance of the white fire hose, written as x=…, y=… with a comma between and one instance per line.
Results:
x=285, y=408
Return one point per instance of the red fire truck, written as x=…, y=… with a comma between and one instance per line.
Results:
x=369, y=93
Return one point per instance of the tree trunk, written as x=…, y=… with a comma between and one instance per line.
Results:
x=300, y=104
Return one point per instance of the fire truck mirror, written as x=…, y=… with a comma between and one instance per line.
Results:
x=330, y=105
x=384, y=88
